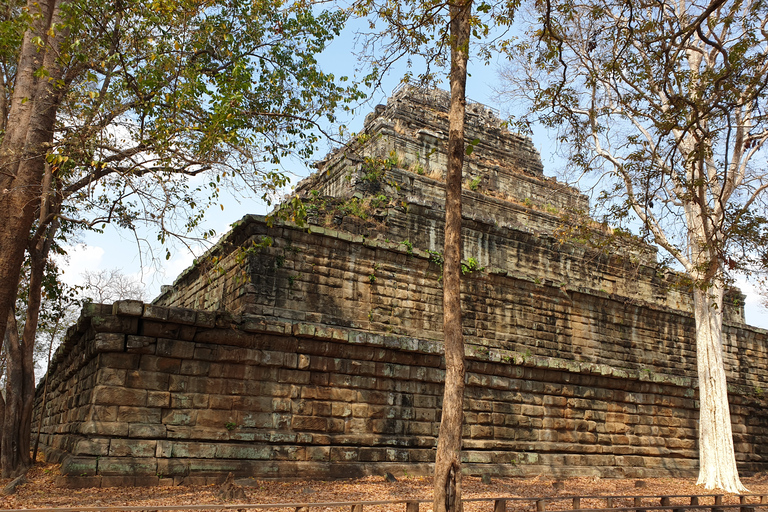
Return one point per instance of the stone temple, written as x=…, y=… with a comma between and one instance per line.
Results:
x=308, y=344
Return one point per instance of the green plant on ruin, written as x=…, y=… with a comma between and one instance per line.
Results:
x=355, y=207
x=242, y=252
x=292, y=278
x=759, y=392
x=527, y=202
x=436, y=257
x=374, y=168
x=293, y=210
x=470, y=266
x=525, y=356
x=379, y=201
x=230, y=425
x=372, y=275
x=471, y=146
x=551, y=209
x=408, y=247
x=475, y=183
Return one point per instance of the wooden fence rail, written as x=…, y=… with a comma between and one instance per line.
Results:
x=746, y=503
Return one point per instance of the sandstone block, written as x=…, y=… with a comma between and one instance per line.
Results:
x=124, y=466
x=115, y=360
x=128, y=308
x=155, y=312
x=140, y=344
x=113, y=395
x=146, y=431
x=243, y=452
x=103, y=428
x=98, y=447
x=149, y=380
x=77, y=482
x=175, y=348
x=103, y=413
x=154, y=363
x=214, y=418
x=109, y=342
x=132, y=448
x=78, y=466
x=158, y=399
x=111, y=376
x=309, y=423
x=183, y=417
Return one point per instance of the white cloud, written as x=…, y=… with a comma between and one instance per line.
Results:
x=754, y=312
x=81, y=257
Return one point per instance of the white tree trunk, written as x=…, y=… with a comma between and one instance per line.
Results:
x=717, y=461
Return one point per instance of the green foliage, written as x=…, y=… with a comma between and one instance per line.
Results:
x=408, y=246
x=374, y=168
x=230, y=425
x=475, y=183
x=217, y=89
x=379, y=201
x=471, y=265
x=356, y=207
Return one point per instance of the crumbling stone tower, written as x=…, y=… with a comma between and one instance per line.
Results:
x=313, y=349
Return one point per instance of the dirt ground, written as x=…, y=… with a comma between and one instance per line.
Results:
x=40, y=492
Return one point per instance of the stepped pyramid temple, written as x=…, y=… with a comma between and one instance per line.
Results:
x=308, y=344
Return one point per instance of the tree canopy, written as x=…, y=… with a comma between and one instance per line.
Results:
x=666, y=101
x=134, y=111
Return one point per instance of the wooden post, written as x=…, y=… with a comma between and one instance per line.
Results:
x=718, y=501
x=743, y=501
x=763, y=499
x=665, y=501
x=639, y=503
x=576, y=503
x=541, y=506
x=411, y=506
x=500, y=506
x=694, y=500
x=357, y=508
x=608, y=502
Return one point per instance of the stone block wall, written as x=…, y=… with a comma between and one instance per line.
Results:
x=144, y=394
x=554, y=303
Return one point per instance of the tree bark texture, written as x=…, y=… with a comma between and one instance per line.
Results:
x=23, y=150
x=22, y=166
x=10, y=459
x=717, y=460
x=447, y=480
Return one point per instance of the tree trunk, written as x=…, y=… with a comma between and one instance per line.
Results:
x=24, y=146
x=10, y=458
x=22, y=164
x=717, y=461
x=447, y=480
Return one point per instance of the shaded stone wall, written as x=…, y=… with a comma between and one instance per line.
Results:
x=144, y=395
x=395, y=288
x=328, y=373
